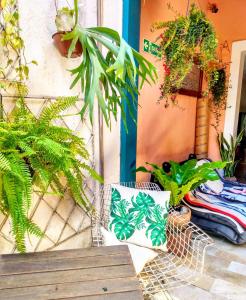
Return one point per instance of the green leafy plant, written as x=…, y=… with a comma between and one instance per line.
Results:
x=183, y=178
x=217, y=79
x=108, y=77
x=14, y=68
x=185, y=41
x=228, y=151
x=35, y=154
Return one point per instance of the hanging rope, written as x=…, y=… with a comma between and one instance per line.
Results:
x=187, y=9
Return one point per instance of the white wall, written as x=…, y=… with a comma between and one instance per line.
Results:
x=64, y=223
x=51, y=77
x=234, y=93
x=37, y=18
x=112, y=17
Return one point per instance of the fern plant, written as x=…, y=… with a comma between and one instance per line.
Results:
x=34, y=152
x=183, y=178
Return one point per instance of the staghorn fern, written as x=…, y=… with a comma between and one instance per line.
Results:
x=108, y=70
x=34, y=152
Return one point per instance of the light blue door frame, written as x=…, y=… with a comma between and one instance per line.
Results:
x=131, y=33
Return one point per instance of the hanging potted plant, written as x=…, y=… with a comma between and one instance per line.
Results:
x=185, y=41
x=180, y=180
x=217, y=78
x=65, y=22
x=109, y=76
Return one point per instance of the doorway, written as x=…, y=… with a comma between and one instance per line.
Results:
x=235, y=116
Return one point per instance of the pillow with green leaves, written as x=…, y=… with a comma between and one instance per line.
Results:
x=139, y=216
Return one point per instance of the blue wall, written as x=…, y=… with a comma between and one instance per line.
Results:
x=131, y=33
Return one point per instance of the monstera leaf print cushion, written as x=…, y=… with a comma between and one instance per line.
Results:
x=139, y=216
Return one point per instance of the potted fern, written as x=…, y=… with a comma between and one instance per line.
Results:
x=36, y=153
x=109, y=76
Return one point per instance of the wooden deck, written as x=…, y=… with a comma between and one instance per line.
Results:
x=93, y=274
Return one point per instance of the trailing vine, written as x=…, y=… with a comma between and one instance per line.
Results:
x=14, y=68
x=218, y=84
x=185, y=41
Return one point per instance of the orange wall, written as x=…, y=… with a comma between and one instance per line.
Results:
x=230, y=25
x=165, y=134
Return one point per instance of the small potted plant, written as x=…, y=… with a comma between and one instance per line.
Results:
x=65, y=22
x=184, y=42
x=180, y=180
x=228, y=150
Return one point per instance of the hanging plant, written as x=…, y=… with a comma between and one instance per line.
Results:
x=217, y=78
x=186, y=41
x=108, y=70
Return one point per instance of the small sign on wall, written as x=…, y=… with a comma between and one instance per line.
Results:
x=151, y=48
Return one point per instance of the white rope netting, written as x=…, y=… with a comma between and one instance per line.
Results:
x=181, y=265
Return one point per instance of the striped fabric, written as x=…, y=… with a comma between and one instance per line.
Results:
x=235, y=210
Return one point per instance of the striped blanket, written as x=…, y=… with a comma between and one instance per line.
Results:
x=222, y=196
x=235, y=210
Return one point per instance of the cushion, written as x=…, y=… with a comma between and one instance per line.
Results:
x=139, y=216
x=140, y=256
x=215, y=186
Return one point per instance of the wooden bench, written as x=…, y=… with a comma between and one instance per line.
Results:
x=93, y=274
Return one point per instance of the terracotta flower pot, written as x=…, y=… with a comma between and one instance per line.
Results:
x=180, y=220
x=179, y=243
x=63, y=46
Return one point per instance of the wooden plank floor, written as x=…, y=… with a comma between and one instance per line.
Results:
x=93, y=274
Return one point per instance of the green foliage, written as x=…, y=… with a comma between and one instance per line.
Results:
x=217, y=91
x=34, y=152
x=108, y=70
x=217, y=84
x=228, y=151
x=185, y=41
x=14, y=68
x=183, y=178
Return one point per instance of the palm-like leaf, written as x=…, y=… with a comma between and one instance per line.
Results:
x=111, y=76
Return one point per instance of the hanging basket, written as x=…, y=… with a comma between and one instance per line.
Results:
x=63, y=46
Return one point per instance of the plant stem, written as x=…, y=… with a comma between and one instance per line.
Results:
x=1, y=108
x=76, y=9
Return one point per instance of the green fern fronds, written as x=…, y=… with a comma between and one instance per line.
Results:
x=34, y=152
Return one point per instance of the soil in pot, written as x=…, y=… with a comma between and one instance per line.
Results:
x=63, y=46
x=179, y=242
x=180, y=216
